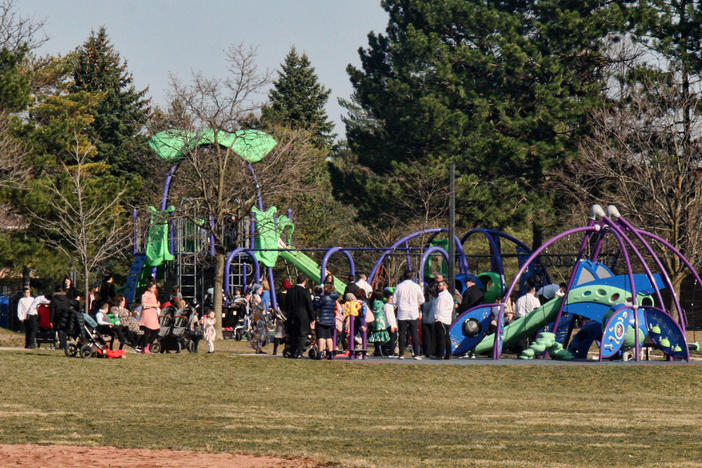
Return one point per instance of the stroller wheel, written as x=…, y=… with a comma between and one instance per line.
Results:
x=71, y=350
x=155, y=347
x=179, y=346
x=86, y=351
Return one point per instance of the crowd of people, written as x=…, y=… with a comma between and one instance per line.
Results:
x=332, y=322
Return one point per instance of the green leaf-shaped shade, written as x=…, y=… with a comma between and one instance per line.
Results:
x=250, y=145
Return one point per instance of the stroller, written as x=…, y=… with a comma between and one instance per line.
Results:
x=163, y=341
x=46, y=332
x=233, y=318
x=85, y=340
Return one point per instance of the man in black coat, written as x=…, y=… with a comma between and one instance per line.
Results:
x=472, y=296
x=299, y=305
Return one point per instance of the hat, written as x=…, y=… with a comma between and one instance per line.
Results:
x=256, y=287
x=287, y=284
x=349, y=297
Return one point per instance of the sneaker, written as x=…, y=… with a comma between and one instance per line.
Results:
x=417, y=358
x=400, y=357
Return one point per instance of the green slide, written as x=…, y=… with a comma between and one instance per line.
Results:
x=524, y=326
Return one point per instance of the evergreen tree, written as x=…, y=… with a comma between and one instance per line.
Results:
x=123, y=111
x=297, y=99
x=501, y=89
x=15, y=80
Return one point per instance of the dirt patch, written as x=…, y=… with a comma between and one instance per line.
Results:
x=104, y=457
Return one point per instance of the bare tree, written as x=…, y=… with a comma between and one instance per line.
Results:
x=17, y=31
x=214, y=175
x=644, y=156
x=83, y=221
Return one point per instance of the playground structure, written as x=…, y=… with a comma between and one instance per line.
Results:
x=623, y=310
x=181, y=248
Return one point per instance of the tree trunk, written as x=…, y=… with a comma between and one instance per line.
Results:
x=218, y=286
x=537, y=236
x=86, y=289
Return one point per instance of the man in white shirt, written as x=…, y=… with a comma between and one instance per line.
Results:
x=443, y=316
x=363, y=284
x=33, y=319
x=527, y=302
x=30, y=324
x=408, y=297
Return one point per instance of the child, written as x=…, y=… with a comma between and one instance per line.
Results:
x=208, y=323
x=389, y=310
x=356, y=311
x=379, y=333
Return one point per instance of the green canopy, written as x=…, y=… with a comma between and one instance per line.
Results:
x=250, y=145
x=157, y=251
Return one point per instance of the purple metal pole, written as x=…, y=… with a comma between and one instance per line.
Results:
x=621, y=237
x=497, y=347
x=352, y=338
x=409, y=258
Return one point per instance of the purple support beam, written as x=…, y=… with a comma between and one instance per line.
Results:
x=228, y=265
x=620, y=236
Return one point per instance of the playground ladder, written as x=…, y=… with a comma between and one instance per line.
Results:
x=187, y=275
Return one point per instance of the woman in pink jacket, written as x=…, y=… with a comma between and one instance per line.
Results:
x=149, y=317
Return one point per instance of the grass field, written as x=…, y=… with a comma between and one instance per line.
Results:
x=358, y=414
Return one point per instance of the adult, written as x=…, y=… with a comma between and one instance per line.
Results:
x=33, y=320
x=472, y=296
x=281, y=316
x=351, y=286
x=428, y=309
x=443, y=316
x=301, y=314
x=22, y=314
x=129, y=323
x=548, y=292
x=63, y=314
x=70, y=290
x=363, y=284
x=108, y=326
x=408, y=297
x=148, y=321
x=528, y=302
x=107, y=291
x=325, y=320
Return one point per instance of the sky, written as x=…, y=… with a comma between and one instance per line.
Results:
x=160, y=38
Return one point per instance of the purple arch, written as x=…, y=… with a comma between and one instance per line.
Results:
x=228, y=265
x=459, y=250
x=327, y=256
x=425, y=257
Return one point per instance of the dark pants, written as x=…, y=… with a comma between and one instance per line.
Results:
x=441, y=339
x=31, y=325
x=405, y=327
x=428, y=339
x=148, y=337
x=114, y=332
x=389, y=347
x=299, y=329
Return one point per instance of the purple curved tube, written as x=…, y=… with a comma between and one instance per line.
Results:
x=327, y=256
x=228, y=264
x=425, y=256
x=459, y=250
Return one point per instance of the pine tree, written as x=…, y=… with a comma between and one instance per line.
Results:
x=123, y=112
x=297, y=99
x=501, y=89
x=15, y=80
